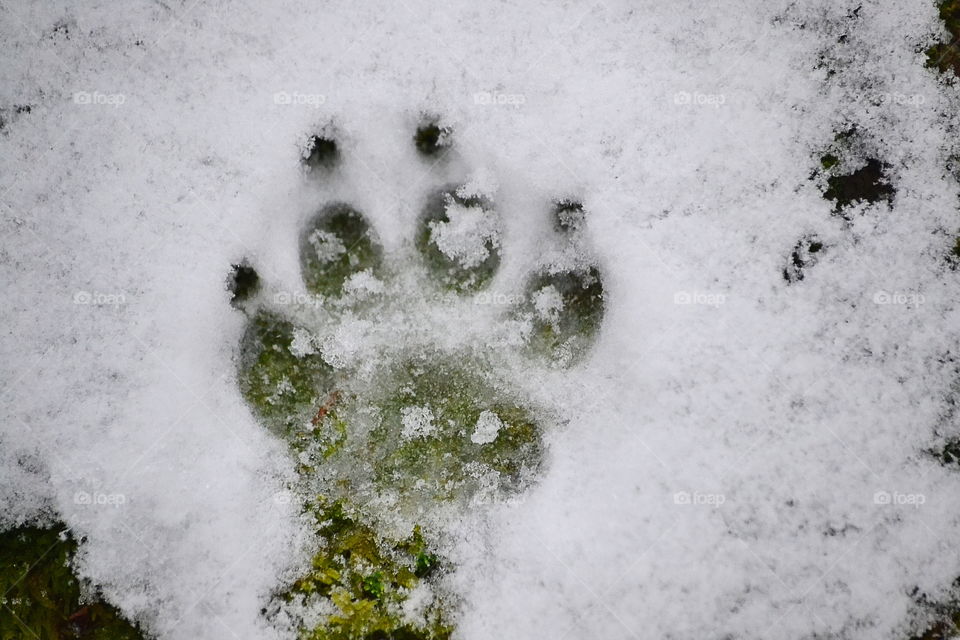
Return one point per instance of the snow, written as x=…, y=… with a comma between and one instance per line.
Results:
x=363, y=284
x=488, y=426
x=547, y=302
x=689, y=130
x=464, y=236
x=417, y=422
x=302, y=343
x=327, y=246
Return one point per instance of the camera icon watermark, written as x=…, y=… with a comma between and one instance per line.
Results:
x=895, y=97
x=699, y=298
x=686, y=98
x=95, y=298
x=495, y=98
x=899, y=298
x=884, y=498
x=695, y=498
x=296, y=298
x=96, y=498
x=314, y=100
x=502, y=299
x=97, y=98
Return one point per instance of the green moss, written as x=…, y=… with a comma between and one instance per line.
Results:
x=366, y=580
x=365, y=577
x=450, y=273
x=445, y=462
x=40, y=597
x=829, y=161
x=413, y=434
x=337, y=243
x=564, y=334
x=946, y=55
x=841, y=147
x=283, y=389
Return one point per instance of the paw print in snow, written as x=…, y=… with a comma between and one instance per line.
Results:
x=395, y=421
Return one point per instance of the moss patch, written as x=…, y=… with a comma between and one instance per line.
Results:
x=566, y=309
x=445, y=270
x=366, y=581
x=40, y=597
x=336, y=244
x=946, y=55
x=430, y=439
x=428, y=430
x=283, y=389
x=846, y=186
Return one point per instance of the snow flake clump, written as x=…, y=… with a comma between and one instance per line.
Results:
x=342, y=346
x=482, y=184
x=302, y=343
x=488, y=426
x=465, y=235
x=363, y=284
x=283, y=388
x=548, y=303
x=417, y=422
x=327, y=246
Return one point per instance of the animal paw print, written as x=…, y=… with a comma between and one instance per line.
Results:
x=389, y=381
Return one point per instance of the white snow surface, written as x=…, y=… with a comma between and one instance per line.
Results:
x=717, y=471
